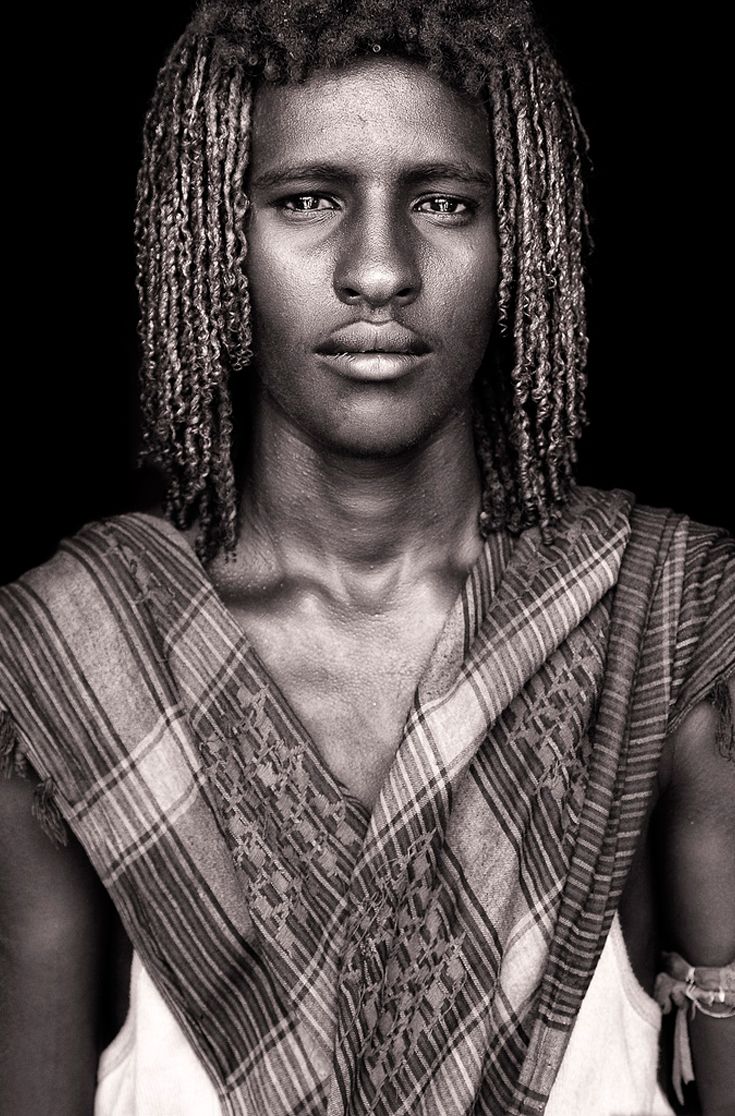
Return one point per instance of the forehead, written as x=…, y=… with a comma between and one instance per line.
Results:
x=376, y=112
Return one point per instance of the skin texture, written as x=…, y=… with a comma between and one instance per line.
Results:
x=359, y=524
x=385, y=240
x=359, y=516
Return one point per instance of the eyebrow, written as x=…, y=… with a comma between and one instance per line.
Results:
x=461, y=171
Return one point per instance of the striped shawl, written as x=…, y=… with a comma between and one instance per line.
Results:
x=430, y=957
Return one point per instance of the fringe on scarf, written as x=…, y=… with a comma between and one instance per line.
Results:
x=719, y=698
x=47, y=813
x=13, y=762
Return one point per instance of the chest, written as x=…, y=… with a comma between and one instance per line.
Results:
x=351, y=683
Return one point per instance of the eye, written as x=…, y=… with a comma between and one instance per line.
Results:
x=444, y=205
x=297, y=205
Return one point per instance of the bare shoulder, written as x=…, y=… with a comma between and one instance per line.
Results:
x=698, y=824
x=698, y=764
x=52, y=933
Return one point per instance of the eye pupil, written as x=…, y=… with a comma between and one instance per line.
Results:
x=440, y=203
x=444, y=204
x=316, y=203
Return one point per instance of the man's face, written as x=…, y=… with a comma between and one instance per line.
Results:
x=373, y=259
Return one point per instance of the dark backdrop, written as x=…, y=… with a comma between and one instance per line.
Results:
x=659, y=421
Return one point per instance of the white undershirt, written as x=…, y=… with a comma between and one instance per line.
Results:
x=609, y=1068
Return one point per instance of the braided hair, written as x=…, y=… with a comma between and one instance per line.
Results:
x=192, y=249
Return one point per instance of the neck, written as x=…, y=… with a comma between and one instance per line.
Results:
x=319, y=508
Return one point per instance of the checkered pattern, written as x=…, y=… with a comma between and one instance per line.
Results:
x=429, y=958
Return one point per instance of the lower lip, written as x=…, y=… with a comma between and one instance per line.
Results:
x=373, y=367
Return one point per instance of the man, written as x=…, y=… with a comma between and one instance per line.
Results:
x=366, y=788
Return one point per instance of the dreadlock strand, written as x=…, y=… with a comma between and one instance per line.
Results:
x=524, y=327
x=578, y=239
x=506, y=198
x=149, y=274
x=498, y=492
x=500, y=504
x=168, y=313
x=175, y=261
x=547, y=230
x=187, y=139
x=239, y=321
x=215, y=523
x=231, y=188
x=202, y=359
x=557, y=264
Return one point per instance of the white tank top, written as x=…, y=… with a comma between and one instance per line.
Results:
x=609, y=1068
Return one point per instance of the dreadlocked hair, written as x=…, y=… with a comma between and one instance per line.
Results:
x=192, y=251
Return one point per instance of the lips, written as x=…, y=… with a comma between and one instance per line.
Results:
x=389, y=337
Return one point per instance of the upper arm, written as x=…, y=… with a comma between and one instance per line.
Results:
x=696, y=834
x=52, y=922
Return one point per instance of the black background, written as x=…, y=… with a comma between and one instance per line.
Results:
x=660, y=422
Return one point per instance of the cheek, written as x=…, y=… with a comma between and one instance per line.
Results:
x=273, y=297
x=284, y=298
x=468, y=295
x=282, y=288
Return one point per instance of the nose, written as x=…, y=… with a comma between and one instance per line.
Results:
x=377, y=263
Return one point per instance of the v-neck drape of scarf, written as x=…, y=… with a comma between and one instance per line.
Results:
x=429, y=957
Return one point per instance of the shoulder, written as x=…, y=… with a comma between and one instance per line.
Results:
x=668, y=558
x=97, y=539
x=63, y=573
x=645, y=519
x=99, y=561
x=72, y=628
x=673, y=614
x=698, y=543
x=697, y=791
x=51, y=603
x=655, y=536
x=698, y=762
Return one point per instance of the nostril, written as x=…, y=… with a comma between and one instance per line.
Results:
x=375, y=286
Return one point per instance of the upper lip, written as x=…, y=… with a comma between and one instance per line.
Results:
x=362, y=337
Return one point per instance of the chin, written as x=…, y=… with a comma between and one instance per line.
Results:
x=382, y=437
x=375, y=449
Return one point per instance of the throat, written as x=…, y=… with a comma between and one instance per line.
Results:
x=348, y=679
x=360, y=511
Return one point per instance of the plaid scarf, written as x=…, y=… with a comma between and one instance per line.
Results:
x=429, y=957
